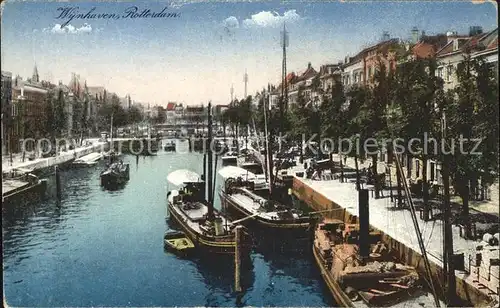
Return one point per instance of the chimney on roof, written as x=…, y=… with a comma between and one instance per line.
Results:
x=385, y=36
x=414, y=35
x=475, y=30
x=309, y=65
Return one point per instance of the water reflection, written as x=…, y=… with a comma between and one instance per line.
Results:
x=102, y=248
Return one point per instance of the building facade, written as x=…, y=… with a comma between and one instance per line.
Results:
x=6, y=100
x=29, y=106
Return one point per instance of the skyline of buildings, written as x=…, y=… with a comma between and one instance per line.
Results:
x=197, y=57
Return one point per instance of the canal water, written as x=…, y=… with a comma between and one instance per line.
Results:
x=102, y=248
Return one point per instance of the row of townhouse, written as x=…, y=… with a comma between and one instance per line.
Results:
x=449, y=50
x=24, y=106
x=314, y=84
x=359, y=70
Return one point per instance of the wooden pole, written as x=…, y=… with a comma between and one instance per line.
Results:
x=237, y=259
x=364, y=223
x=58, y=183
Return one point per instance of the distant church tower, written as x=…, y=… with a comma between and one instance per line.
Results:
x=35, y=78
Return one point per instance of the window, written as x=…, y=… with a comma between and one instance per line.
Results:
x=440, y=72
x=449, y=72
x=417, y=168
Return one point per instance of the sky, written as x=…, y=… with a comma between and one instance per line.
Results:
x=196, y=56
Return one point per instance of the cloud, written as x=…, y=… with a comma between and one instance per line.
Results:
x=231, y=22
x=271, y=19
x=69, y=29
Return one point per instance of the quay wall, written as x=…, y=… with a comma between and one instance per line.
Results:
x=466, y=292
x=63, y=157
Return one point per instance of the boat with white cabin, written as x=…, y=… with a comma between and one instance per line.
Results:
x=89, y=160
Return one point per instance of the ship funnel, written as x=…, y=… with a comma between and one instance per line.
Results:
x=364, y=223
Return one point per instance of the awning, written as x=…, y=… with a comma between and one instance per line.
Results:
x=235, y=172
x=182, y=176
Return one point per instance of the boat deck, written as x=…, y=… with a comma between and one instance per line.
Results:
x=9, y=186
x=253, y=205
x=196, y=213
x=419, y=297
x=193, y=216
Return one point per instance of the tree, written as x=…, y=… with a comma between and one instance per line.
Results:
x=78, y=115
x=372, y=116
x=244, y=112
x=61, y=116
x=472, y=115
x=134, y=115
x=334, y=124
x=299, y=114
x=415, y=95
x=357, y=98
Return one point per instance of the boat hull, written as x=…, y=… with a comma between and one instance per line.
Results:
x=112, y=180
x=225, y=245
x=27, y=194
x=83, y=165
x=300, y=229
x=339, y=295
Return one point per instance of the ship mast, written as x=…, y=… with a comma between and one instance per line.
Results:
x=209, y=177
x=269, y=156
x=284, y=86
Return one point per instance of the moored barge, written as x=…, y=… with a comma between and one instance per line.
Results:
x=239, y=198
x=189, y=210
x=115, y=176
x=22, y=186
x=377, y=279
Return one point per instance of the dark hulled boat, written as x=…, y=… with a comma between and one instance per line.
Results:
x=376, y=280
x=189, y=210
x=206, y=227
x=20, y=186
x=254, y=209
x=169, y=146
x=116, y=175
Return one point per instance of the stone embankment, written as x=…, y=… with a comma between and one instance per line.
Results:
x=478, y=272
x=44, y=163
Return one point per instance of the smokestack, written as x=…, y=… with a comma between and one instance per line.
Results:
x=414, y=35
x=364, y=224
